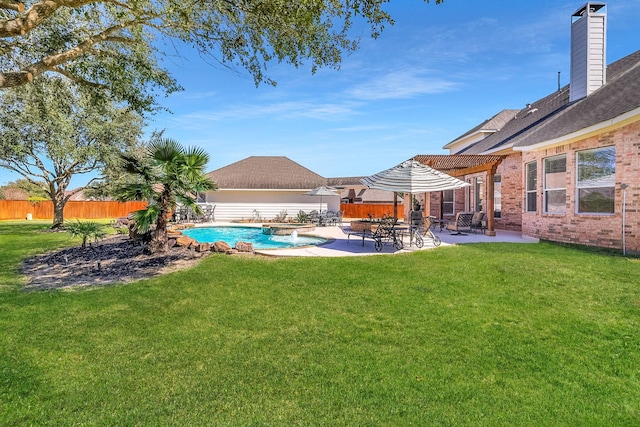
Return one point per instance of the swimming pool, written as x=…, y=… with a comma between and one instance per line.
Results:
x=232, y=235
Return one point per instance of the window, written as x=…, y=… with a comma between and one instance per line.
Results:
x=555, y=178
x=532, y=184
x=479, y=194
x=596, y=179
x=497, y=196
x=447, y=202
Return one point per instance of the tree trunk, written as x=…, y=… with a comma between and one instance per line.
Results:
x=58, y=210
x=160, y=240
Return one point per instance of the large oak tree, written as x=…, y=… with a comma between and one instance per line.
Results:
x=115, y=47
x=51, y=131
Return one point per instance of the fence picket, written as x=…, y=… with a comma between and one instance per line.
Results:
x=18, y=209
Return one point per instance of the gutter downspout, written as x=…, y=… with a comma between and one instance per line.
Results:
x=624, y=216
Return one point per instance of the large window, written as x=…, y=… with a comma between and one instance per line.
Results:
x=596, y=180
x=497, y=196
x=532, y=185
x=555, y=178
x=447, y=202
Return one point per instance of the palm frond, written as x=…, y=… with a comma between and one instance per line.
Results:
x=145, y=218
x=165, y=150
x=196, y=158
x=135, y=166
x=204, y=184
x=135, y=191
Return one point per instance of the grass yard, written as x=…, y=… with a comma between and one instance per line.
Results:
x=485, y=334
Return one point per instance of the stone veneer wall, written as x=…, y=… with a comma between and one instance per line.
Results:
x=603, y=230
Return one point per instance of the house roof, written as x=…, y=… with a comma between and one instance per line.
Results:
x=554, y=117
x=266, y=173
x=346, y=181
x=370, y=195
x=493, y=124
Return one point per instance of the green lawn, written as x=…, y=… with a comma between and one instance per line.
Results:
x=485, y=334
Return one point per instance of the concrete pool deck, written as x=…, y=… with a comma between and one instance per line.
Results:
x=339, y=245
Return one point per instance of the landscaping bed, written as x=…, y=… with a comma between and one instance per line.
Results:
x=117, y=259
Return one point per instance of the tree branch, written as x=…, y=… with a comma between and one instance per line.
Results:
x=12, y=5
x=37, y=13
x=27, y=21
x=77, y=79
x=24, y=171
x=13, y=79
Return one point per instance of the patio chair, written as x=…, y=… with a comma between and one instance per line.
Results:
x=478, y=222
x=461, y=224
x=332, y=218
x=181, y=214
x=387, y=233
x=314, y=217
x=208, y=213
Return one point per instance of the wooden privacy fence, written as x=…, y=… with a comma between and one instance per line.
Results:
x=363, y=210
x=19, y=209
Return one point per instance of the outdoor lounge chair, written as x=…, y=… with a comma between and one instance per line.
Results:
x=461, y=224
x=479, y=222
x=348, y=231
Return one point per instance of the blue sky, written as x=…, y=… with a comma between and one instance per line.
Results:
x=439, y=71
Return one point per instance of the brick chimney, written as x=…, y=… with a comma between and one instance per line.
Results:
x=588, y=50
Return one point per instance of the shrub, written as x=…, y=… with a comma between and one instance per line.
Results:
x=302, y=217
x=86, y=230
x=281, y=217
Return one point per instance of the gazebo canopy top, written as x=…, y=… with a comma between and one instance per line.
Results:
x=460, y=164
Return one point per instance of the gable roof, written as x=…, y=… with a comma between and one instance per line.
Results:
x=491, y=125
x=266, y=173
x=554, y=117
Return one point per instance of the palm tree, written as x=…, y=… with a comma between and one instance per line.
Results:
x=167, y=174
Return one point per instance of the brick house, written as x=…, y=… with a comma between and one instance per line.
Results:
x=566, y=167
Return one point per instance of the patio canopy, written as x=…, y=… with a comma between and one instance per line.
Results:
x=412, y=177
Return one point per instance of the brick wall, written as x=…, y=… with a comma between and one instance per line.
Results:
x=603, y=230
x=511, y=170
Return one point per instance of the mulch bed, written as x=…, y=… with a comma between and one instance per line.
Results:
x=116, y=259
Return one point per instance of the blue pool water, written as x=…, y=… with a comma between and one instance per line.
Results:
x=231, y=235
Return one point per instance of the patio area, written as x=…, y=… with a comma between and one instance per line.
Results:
x=340, y=245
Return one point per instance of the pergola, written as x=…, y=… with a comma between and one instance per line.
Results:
x=460, y=165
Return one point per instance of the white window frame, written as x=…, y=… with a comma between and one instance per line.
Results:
x=547, y=190
x=452, y=203
x=597, y=183
x=529, y=191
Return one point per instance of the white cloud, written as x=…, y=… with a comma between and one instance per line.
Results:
x=401, y=84
x=279, y=111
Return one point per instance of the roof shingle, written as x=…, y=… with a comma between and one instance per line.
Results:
x=266, y=173
x=554, y=116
